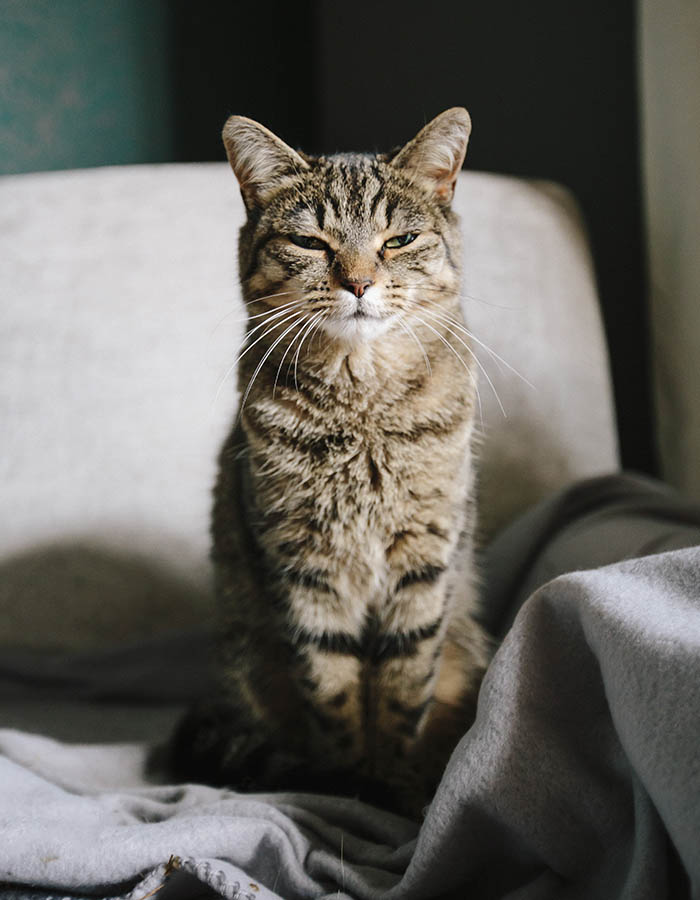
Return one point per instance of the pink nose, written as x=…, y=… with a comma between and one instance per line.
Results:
x=357, y=287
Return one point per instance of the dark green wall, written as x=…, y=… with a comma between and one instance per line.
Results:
x=84, y=83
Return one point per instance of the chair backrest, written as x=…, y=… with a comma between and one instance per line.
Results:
x=120, y=320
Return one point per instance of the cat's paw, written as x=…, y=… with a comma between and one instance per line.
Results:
x=215, y=744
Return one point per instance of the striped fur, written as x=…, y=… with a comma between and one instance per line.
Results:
x=343, y=513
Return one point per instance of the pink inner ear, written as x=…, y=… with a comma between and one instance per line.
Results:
x=442, y=175
x=445, y=188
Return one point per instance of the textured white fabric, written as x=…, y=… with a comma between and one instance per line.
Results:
x=530, y=296
x=120, y=318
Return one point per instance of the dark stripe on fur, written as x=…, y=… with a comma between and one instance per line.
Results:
x=372, y=646
x=313, y=579
x=255, y=253
x=375, y=476
x=432, y=427
x=330, y=642
x=448, y=253
x=403, y=643
x=316, y=446
x=335, y=205
x=375, y=200
x=432, y=528
x=427, y=575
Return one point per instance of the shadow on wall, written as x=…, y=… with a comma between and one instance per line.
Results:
x=73, y=596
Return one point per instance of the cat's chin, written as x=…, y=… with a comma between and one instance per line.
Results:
x=357, y=329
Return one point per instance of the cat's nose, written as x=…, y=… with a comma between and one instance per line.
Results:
x=357, y=287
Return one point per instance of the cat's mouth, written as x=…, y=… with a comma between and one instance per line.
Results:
x=358, y=318
x=357, y=326
x=365, y=310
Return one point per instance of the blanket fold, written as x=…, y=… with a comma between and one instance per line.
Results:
x=580, y=777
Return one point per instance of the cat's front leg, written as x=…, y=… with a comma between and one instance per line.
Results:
x=426, y=676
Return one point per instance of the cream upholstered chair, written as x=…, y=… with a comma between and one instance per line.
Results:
x=120, y=320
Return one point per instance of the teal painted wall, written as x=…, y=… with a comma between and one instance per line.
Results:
x=84, y=83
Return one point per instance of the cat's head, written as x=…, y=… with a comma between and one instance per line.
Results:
x=350, y=241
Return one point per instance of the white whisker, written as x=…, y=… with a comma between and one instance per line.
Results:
x=318, y=326
x=438, y=288
x=275, y=309
x=271, y=317
x=296, y=356
x=476, y=340
x=476, y=299
x=411, y=333
x=265, y=357
x=439, y=312
x=270, y=296
x=474, y=357
x=279, y=367
x=468, y=370
x=249, y=347
x=247, y=303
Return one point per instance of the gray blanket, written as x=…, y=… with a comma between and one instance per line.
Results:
x=579, y=779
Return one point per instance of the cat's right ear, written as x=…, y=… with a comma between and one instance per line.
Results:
x=435, y=155
x=259, y=159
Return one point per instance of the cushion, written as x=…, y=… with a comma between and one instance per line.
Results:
x=120, y=322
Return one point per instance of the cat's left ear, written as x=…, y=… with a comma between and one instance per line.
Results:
x=435, y=155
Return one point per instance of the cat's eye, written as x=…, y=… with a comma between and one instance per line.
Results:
x=307, y=242
x=400, y=240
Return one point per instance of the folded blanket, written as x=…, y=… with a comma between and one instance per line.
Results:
x=579, y=779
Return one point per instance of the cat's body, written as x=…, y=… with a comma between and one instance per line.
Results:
x=343, y=515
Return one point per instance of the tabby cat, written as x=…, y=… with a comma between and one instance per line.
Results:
x=344, y=509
